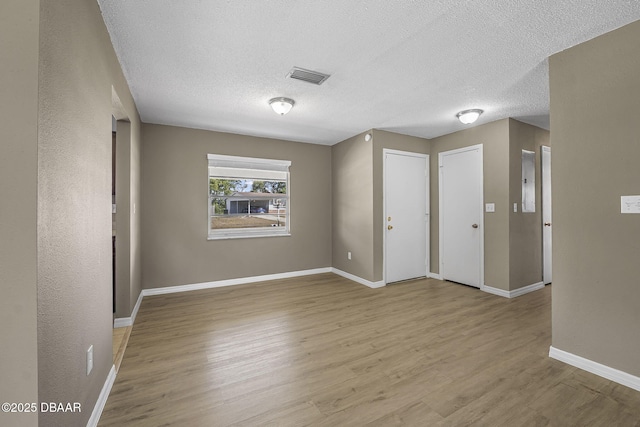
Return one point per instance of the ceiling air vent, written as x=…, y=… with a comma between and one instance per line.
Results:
x=308, y=75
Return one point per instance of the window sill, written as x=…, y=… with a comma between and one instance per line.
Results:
x=245, y=236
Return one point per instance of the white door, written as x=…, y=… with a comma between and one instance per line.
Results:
x=406, y=215
x=461, y=216
x=546, y=214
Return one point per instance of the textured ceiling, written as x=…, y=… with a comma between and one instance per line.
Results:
x=406, y=66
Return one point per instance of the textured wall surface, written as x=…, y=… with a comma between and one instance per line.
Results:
x=122, y=219
x=127, y=216
x=595, y=95
x=135, y=211
x=352, y=193
x=18, y=205
x=77, y=70
x=525, y=235
x=175, y=248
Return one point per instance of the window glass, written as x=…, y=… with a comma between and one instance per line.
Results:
x=248, y=197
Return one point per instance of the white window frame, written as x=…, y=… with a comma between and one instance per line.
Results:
x=241, y=167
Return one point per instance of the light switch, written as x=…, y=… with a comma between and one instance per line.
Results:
x=515, y=207
x=490, y=207
x=630, y=204
x=89, y=359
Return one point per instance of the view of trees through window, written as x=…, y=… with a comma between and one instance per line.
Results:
x=247, y=203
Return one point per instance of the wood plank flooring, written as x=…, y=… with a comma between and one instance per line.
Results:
x=120, y=340
x=324, y=351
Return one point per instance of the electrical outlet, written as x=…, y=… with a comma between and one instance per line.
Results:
x=89, y=359
x=348, y=255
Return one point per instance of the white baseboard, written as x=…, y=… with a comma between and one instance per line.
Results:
x=525, y=290
x=136, y=308
x=596, y=368
x=232, y=282
x=121, y=322
x=102, y=398
x=434, y=276
x=357, y=279
x=495, y=291
x=515, y=293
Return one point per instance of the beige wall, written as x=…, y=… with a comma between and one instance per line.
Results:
x=595, y=100
x=358, y=200
x=352, y=193
x=77, y=70
x=525, y=235
x=122, y=219
x=175, y=249
x=512, y=241
x=135, y=217
x=18, y=192
x=56, y=251
x=495, y=139
x=381, y=140
x=127, y=219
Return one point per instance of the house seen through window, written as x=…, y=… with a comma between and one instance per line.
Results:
x=248, y=197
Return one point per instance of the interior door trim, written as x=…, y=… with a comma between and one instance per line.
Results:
x=546, y=151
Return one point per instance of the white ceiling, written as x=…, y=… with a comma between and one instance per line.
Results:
x=406, y=66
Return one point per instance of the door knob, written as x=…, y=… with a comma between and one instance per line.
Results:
x=389, y=227
x=547, y=224
x=475, y=225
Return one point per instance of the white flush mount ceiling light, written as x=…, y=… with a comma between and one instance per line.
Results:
x=469, y=116
x=282, y=105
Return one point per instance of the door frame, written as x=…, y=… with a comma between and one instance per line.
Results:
x=546, y=151
x=386, y=151
x=480, y=209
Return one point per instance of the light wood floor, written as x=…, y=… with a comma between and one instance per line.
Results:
x=322, y=350
x=120, y=340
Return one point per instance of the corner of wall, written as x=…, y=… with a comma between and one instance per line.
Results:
x=525, y=228
x=352, y=206
x=595, y=154
x=19, y=44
